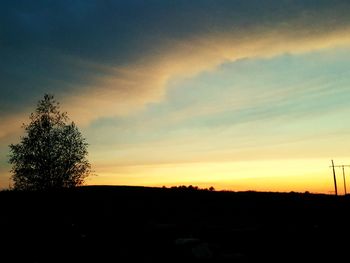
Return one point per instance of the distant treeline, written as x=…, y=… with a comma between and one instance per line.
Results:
x=191, y=188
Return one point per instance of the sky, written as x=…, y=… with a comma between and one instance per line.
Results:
x=239, y=95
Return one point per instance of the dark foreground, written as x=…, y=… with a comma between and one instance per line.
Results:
x=124, y=224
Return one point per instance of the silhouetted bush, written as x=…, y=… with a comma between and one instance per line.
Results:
x=191, y=188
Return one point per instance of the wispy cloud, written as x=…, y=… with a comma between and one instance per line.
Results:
x=121, y=90
x=109, y=80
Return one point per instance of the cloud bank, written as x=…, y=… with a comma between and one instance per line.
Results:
x=111, y=58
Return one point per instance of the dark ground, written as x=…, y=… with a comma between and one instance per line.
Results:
x=124, y=224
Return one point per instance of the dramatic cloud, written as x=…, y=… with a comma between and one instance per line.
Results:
x=109, y=58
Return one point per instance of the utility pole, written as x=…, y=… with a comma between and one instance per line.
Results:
x=335, y=179
x=344, y=179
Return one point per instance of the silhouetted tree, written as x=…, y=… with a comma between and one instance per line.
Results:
x=53, y=152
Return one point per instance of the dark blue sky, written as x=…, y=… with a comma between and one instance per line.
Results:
x=39, y=39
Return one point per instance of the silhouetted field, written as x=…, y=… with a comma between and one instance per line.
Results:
x=122, y=224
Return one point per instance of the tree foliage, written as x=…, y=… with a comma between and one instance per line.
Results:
x=52, y=154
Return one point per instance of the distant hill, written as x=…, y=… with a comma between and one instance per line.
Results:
x=112, y=223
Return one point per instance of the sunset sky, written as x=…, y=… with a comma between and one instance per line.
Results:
x=239, y=94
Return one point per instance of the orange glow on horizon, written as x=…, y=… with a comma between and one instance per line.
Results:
x=302, y=175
